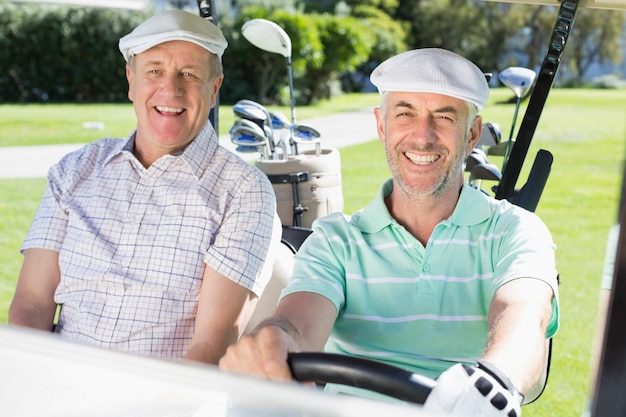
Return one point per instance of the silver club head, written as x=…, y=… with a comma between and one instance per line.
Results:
x=244, y=135
x=250, y=113
x=265, y=121
x=279, y=120
x=491, y=135
x=476, y=157
x=268, y=36
x=305, y=133
x=486, y=171
x=518, y=79
x=249, y=124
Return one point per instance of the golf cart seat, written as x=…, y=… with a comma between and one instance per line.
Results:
x=292, y=238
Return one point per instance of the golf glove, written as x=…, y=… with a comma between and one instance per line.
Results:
x=474, y=391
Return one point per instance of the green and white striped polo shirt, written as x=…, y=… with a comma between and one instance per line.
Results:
x=421, y=308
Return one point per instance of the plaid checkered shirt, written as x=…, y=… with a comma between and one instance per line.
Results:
x=133, y=242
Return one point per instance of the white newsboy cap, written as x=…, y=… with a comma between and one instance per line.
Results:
x=173, y=25
x=433, y=70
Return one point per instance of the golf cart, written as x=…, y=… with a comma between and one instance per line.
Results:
x=176, y=389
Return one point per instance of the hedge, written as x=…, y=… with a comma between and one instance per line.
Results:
x=61, y=54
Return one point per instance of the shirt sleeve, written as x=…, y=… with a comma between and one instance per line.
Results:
x=319, y=265
x=240, y=249
x=528, y=251
x=49, y=226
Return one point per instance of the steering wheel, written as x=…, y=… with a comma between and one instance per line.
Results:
x=323, y=368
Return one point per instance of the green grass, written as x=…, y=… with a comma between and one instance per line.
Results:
x=45, y=124
x=584, y=129
x=19, y=200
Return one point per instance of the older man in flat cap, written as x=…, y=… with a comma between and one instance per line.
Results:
x=156, y=244
x=433, y=276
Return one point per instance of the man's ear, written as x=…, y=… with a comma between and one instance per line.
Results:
x=474, y=134
x=217, y=83
x=380, y=124
x=129, y=77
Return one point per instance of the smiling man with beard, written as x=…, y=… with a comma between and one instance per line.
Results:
x=158, y=244
x=433, y=276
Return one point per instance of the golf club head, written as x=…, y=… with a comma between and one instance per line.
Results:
x=252, y=103
x=476, y=157
x=479, y=152
x=518, y=79
x=305, y=134
x=491, y=135
x=279, y=120
x=251, y=113
x=486, y=171
x=251, y=124
x=248, y=139
x=268, y=36
x=306, y=131
x=252, y=107
x=246, y=136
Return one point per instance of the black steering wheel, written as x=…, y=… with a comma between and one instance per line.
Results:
x=323, y=368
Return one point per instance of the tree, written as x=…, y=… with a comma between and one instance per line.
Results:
x=346, y=44
x=261, y=75
x=533, y=36
x=323, y=47
x=595, y=39
x=478, y=30
x=389, y=39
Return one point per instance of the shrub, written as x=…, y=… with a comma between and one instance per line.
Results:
x=55, y=54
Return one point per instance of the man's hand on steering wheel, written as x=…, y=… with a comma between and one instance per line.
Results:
x=475, y=391
x=261, y=353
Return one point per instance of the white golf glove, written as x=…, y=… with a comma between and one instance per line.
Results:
x=474, y=391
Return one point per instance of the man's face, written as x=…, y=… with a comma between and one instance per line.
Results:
x=173, y=90
x=426, y=137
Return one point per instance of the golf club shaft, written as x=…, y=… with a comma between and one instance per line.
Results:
x=292, y=98
x=510, y=141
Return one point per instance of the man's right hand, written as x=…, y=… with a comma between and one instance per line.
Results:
x=262, y=353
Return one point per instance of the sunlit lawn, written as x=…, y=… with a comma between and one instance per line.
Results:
x=584, y=129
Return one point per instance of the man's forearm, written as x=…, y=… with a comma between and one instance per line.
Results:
x=518, y=347
x=28, y=315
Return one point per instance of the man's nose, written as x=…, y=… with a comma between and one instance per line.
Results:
x=423, y=129
x=172, y=85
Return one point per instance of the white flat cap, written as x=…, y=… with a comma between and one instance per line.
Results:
x=174, y=25
x=433, y=70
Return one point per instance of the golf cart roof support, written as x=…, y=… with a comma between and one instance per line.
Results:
x=208, y=12
x=539, y=95
x=608, y=395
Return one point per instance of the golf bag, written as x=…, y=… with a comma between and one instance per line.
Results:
x=307, y=185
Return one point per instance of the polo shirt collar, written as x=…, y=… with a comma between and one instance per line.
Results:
x=472, y=208
x=375, y=216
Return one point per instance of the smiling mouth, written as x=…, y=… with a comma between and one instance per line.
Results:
x=421, y=159
x=169, y=110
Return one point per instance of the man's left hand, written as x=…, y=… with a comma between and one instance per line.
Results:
x=474, y=391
